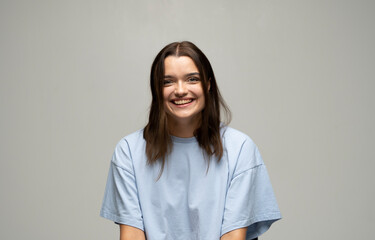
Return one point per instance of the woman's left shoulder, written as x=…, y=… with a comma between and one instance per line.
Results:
x=241, y=151
x=231, y=135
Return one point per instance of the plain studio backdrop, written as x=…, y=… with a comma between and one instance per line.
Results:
x=298, y=76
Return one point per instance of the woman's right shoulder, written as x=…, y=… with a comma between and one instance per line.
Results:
x=129, y=147
x=132, y=140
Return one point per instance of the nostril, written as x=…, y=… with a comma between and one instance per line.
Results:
x=179, y=95
x=180, y=92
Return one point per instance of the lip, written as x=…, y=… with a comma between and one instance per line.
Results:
x=182, y=99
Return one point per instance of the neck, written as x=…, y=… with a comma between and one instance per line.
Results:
x=183, y=129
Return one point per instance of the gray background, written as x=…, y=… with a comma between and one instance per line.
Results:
x=298, y=76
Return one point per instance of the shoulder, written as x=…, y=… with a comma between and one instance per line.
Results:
x=134, y=138
x=241, y=151
x=131, y=140
x=235, y=137
x=127, y=147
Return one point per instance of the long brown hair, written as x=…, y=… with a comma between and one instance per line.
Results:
x=158, y=140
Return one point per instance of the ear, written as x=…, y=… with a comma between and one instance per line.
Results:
x=209, y=84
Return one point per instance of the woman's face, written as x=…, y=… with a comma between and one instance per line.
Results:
x=183, y=93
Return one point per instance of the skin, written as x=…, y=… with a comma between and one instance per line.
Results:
x=238, y=234
x=132, y=233
x=181, y=82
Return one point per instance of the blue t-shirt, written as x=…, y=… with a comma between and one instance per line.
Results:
x=190, y=201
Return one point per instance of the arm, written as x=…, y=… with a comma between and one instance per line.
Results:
x=238, y=234
x=131, y=233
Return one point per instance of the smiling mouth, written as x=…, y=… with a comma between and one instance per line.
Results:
x=182, y=101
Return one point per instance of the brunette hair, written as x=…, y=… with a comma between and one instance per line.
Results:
x=158, y=140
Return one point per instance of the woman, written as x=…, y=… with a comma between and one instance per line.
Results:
x=187, y=175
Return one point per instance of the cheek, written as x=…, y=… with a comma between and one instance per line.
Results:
x=166, y=96
x=201, y=100
x=200, y=93
x=165, y=93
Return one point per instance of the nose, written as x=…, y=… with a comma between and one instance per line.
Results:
x=181, y=89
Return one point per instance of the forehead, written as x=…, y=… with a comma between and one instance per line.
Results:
x=179, y=65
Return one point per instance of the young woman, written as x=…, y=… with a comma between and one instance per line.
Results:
x=187, y=175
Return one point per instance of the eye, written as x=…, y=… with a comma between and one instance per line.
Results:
x=193, y=79
x=167, y=82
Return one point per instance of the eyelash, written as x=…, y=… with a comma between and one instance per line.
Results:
x=166, y=82
x=192, y=79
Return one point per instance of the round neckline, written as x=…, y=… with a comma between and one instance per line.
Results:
x=183, y=140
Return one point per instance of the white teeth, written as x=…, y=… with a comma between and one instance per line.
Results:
x=179, y=102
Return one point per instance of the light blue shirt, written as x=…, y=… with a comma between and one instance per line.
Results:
x=189, y=202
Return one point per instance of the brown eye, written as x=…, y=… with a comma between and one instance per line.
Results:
x=193, y=79
x=167, y=82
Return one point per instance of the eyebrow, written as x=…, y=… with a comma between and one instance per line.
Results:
x=186, y=75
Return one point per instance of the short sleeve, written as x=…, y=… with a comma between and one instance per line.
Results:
x=250, y=201
x=120, y=202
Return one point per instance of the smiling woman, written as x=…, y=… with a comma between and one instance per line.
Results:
x=175, y=65
x=215, y=185
x=183, y=95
